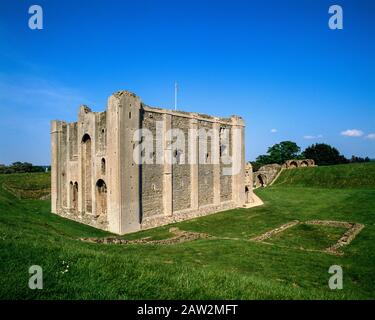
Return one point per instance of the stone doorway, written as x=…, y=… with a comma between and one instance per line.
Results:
x=101, y=198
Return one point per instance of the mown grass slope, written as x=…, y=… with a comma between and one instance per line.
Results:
x=227, y=267
x=356, y=175
x=28, y=185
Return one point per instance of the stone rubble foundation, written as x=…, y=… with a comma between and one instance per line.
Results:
x=275, y=231
x=353, y=230
x=180, y=236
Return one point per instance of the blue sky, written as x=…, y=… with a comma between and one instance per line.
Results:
x=275, y=63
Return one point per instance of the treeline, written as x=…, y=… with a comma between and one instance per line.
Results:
x=22, y=167
x=323, y=155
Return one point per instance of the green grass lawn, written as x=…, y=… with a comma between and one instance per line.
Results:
x=309, y=237
x=358, y=175
x=28, y=185
x=226, y=267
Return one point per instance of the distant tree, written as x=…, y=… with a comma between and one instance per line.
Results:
x=324, y=154
x=21, y=167
x=279, y=153
x=4, y=169
x=283, y=151
x=38, y=169
x=255, y=165
x=355, y=159
x=262, y=160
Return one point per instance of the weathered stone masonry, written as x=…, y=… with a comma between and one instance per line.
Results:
x=96, y=181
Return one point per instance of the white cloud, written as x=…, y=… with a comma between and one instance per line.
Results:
x=352, y=133
x=319, y=136
x=370, y=136
x=273, y=130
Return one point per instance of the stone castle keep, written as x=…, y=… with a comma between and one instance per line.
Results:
x=96, y=181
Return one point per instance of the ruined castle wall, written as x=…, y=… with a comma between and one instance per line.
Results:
x=129, y=121
x=96, y=181
x=76, y=195
x=205, y=167
x=63, y=163
x=225, y=180
x=291, y=164
x=208, y=191
x=152, y=174
x=181, y=168
x=73, y=141
x=100, y=133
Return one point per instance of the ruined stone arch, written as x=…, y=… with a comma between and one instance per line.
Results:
x=261, y=180
x=86, y=165
x=293, y=164
x=101, y=197
x=311, y=162
x=304, y=163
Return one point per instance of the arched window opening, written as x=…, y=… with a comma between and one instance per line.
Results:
x=102, y=166
x=86, y=173
x=73, y=196
x=178, y=153
x=293, y=164
x=260, y=180
x=85, y=138
x=101, y=198
x=64, y=190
